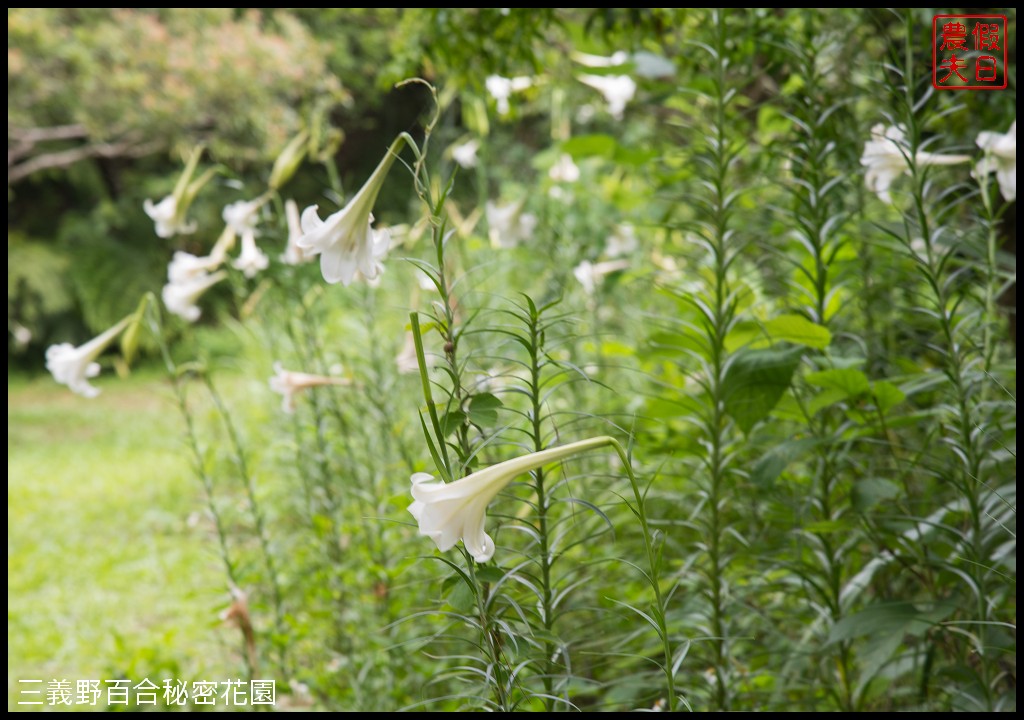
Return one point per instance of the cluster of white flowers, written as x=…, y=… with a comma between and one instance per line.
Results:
x=508, y=225
x=887, y=156
x=501, y=89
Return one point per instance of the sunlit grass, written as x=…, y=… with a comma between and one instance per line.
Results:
x=110, y=573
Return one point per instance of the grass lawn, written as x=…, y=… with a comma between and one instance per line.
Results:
x=111, y=573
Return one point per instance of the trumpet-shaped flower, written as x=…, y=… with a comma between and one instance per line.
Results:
x=619, y=57
x=455, y=511
x=565, y=170
x=622, y=242
x=186, y=266
x=169, y=222
x=508, y=225
x=345, y=241
x=1000, y=158
x=181, y=298
x=649, y=65
x=169, y=214
x=289, y=384
x=464, y=154
x=590, y=274
x=501, y=89
x=618, y=90
x=243, y=216
x=251, y=260
x=293, y=254
x=73, y=366
x=886, y=158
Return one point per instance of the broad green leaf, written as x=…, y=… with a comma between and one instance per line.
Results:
x=826, y=398
x=776, y=460
x=847, y=380
x=452, y=421
x=483, y=409
x=799, y=331
x=887, y=395
x=490, y=574
x=462, y=598
x=893, y=618
x=755, y=381
x=870, y=491
x=583, y=146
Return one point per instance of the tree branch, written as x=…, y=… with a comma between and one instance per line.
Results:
x=64, y=158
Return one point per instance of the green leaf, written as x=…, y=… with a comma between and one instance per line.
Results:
x=887, y=395
x=755, y=381
x=462, y=598
x=452, y=421
x=130, y=336
x=483, y=409
x=673, y=345
x=848, y=381
x=799, y=331
x=894, y=618
x=826, y=398
x=773, y=462
x=583, y=146
x=870, y=491
x=490, y=574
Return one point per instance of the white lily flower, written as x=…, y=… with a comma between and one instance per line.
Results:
x=165, y=216
x=651, y=66
x=447, y=513
x=73, y=366
x=886, y=158
x=345, y=241
x=565, y=170
x=186, y=266
x=464, y=154
x=622, y=242
x=619, y=57
x=21, y=334
x=508, y=225
x=242, y=216
x=289, y=384
x=293, y=254
x=1000, y=158
x=251, y=260
x=181, y=298
x=501, y=89
x=590, y=274
x=618, y=90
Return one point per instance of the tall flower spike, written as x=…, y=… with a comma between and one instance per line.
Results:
x=449, y=512
x=886, y=158
x=73, y=366
x=1000, y=158
x=345, y=241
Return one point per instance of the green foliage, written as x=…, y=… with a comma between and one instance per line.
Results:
x=166, y=78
